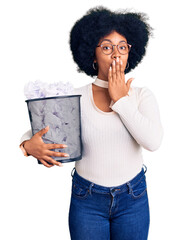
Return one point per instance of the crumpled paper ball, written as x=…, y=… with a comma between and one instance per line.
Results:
x=39, y=89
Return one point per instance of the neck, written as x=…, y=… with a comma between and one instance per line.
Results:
x=102, y=77
x=101, y=83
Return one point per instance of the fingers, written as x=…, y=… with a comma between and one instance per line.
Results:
x=45, y=163
x=53, y=146
x=110, y=74
x=121, y=69
x=56, y=154
x=51, y=161
x=114, y=70
x=48, y=161
x=43, y=131
x=118, y=70
x=116, y=73
x=129, y=83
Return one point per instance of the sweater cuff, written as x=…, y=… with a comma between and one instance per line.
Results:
x=26, y=136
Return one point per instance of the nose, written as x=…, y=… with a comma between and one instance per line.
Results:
x=115, y=53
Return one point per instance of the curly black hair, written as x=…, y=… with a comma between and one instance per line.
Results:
x=99, y=22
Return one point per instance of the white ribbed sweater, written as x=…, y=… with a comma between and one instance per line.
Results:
x=113, y=141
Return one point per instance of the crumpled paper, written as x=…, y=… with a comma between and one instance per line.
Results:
x=39, y=89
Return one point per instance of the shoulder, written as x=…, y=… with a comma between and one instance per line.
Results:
x=141, y=92
x=81, y=90
x=143, y=95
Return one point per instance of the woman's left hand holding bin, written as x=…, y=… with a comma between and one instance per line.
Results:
x=40, y=150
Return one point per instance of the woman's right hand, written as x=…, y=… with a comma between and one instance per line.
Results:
x=40, y=150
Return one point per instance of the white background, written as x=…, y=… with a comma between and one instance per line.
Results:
x=34, y=45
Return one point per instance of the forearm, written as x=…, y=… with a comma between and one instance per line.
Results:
x=143, y=122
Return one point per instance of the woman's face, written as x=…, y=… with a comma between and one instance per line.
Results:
x=104, y=61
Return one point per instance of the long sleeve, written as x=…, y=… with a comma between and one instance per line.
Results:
x=141, y=118
x=26, y=136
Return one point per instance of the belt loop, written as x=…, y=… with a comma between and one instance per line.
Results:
x=129, y=186
x=72, y=171
x=91, y=185
x=145, y=168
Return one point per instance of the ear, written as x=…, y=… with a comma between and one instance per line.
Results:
x=94, y=57
x=95, y=60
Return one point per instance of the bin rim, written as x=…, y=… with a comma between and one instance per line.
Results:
x=45, y=98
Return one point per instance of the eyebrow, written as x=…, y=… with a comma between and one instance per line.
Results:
x=111, y=41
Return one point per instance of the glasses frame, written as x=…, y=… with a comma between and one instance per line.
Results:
x=129, y=45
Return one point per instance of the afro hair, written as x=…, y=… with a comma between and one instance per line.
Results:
x=99, y=22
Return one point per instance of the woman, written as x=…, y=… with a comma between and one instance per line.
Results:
x=109, y=192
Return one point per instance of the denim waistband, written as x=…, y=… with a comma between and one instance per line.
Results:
x=124, y=187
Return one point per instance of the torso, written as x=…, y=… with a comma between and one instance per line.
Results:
x=101, y=98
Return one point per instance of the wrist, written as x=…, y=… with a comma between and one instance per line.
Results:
x=23, y=148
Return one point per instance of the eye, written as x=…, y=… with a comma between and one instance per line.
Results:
x=122, y=47
x=106, y=47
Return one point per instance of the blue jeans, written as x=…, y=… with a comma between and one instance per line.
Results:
x=109, y=213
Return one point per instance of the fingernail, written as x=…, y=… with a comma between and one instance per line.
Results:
x=121, y=62
x=117, y=59
x=64, y=145
x=110, y=68
x=60, y=165
x=66, y=155
x=114, y=62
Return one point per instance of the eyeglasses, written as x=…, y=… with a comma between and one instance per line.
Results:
x=108, y=48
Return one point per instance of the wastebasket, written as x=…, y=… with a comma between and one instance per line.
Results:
x=63, y=115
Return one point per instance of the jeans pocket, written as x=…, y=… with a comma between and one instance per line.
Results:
x=139, y=189
x=78, y=190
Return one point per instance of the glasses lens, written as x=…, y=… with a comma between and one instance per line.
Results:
x=123, y=48
x=106, y=48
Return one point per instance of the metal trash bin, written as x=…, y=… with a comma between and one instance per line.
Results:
x=63, y=115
